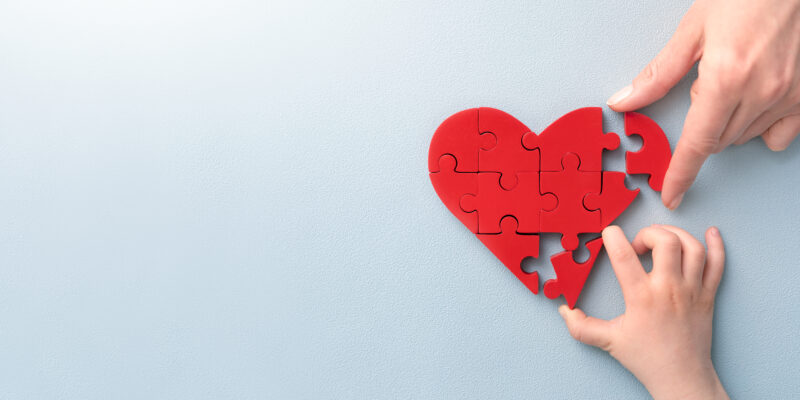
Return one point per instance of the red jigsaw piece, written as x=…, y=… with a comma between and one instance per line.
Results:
x=653, y=158
x=511, y=248
x=570, y=217
x=457, y=135
x=523, y=202
x=503, y=151
x=571, y=276
x=613, y=199
x=451, y=185
x=579, y=132
x=507, y=184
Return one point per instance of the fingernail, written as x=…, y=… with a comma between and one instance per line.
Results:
x=675, y=203
x=562, y=309
x=621, y=95
x=714, y=231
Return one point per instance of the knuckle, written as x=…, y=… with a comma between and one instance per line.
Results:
x=651, y=75
x=705, y=303
x=730, y=70
x=690, y=293
x=665, y=294
x=774, y=90
x=575, y=331
x=670, y=242
x=703, y=144
x=644, y=297
x=679, y=297
x=620, y=255
x=793, y=95
x=650, y=71
x=734, y=81
x=696, y=252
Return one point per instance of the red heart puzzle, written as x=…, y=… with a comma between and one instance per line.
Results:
x=507, y=184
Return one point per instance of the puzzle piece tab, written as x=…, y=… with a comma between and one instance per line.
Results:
x=503, y=151
x=451, y=185
x=458, y=136
x=653, y=158
x=613, y=199
x=523, y=202
x=571, y=276
x=511, y=248
x=570, y=217
x=579, y=132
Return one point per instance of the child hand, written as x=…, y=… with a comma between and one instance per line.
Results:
x=664, y=336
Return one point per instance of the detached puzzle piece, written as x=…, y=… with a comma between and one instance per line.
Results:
x=458, y=136
x=579, y=132
x=571, y=276
x=502, y=149
x=511, y=248
x=613, y=199
x=451, y=185
x=492, y=202
x=653, y=158
x=569, y=217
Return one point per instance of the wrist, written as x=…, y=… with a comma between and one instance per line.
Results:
x=701, y=382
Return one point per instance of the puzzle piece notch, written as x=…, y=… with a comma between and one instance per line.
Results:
x=569, y=186
x=570, y=275
x=511, y=247
x=450, y=185
x=579, y=132
x=504, y=152
x=492, y=202
x=654, y=156
x=613, y=199
x=458, y=136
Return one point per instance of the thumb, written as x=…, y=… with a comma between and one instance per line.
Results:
x=665, y=70
x=587, y=330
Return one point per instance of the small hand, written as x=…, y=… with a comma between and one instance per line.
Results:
x=664, y=336
x=748, y=81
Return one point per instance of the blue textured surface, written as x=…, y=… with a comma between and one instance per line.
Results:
x=230, y=200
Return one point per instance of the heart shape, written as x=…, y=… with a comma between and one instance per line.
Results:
x=507, y=184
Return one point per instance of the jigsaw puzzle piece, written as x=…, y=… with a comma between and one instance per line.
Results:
x=511, y=248
x=571, y=276
x=613, y=199
x=653, y=158
x=523, y=202
x=570, y=217
x=459, y=136
x=450, y=185
x=502, y=149
x=579, y=132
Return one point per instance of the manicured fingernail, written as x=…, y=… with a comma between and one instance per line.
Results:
x=621, y=95
x=675, y=203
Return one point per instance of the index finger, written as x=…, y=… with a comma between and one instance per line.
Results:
x=707, y=118
x=624, y=260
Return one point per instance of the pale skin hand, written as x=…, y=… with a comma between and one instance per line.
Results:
x=664, y=336
x=748, y=81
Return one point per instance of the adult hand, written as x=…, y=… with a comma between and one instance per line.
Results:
x=748, y=81
x=664, y=336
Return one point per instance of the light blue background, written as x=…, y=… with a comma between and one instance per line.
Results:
x=229, y=199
